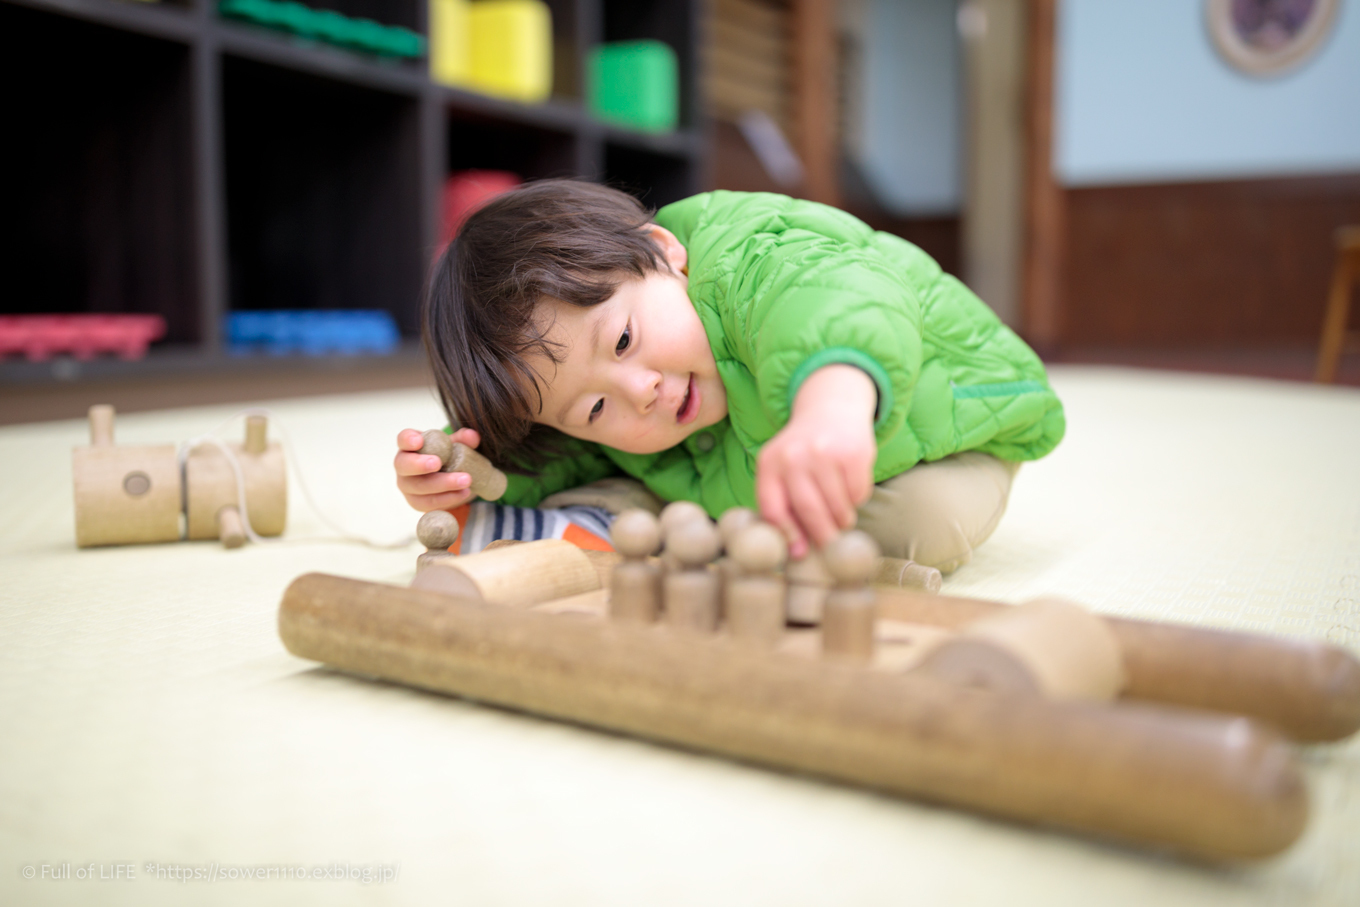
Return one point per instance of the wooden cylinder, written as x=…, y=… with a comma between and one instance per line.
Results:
x=1308, y=689
x=210, y=485
x=257, y=431
x=126, y=495
x=692, y=599
x=893, y=571
x=1046, y=647
x=230, y=529
x=1213, y=787
x=755, y=609
x=809, y=582
x=518, y=575
x=635, y=592
x=101, y=425
x=848, y=624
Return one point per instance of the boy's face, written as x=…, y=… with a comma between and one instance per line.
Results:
x=637, y=373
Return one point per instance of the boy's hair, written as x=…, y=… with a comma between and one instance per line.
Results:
x=566, y=240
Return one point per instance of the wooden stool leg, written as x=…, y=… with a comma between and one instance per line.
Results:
x=1334, y=326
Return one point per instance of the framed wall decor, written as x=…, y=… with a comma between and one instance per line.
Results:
x=1269, y=37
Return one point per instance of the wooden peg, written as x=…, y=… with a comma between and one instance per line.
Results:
x=848, y=616
x=436, y=530
x=101, y=425
x=488, y=482
x=230, y=529
x=754, y=597
x=733, y=521
x=808, y=582
x=893, y=571
x=635, y=586
x=1047, y=647
x=692, y=591
x=257, y=429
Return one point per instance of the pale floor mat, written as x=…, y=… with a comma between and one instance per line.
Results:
x=152, y=720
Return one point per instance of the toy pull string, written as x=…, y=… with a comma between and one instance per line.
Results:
x=290, y=457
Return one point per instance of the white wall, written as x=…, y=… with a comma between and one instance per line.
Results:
x=908, y=146
x=1142, y=96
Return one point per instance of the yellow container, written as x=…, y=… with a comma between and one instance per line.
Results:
x=511, y=49
x=450, y=42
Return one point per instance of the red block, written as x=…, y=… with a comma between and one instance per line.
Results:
x=39, y=337
x=465, y=192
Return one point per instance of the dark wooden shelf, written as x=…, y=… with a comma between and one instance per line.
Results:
x=184, y=164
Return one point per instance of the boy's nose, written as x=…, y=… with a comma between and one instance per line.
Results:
x=644, y=388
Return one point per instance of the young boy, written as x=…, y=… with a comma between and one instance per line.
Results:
x=736, y=349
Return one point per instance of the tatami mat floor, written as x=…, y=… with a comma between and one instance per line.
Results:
x=152, y=719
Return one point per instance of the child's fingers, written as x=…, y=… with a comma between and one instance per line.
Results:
x=410, y=439
x=468, y=436
x=445, y=501
x=810, y=509
x=408, y=463
x=836, y=496
x=773, y=501
x=434, y=483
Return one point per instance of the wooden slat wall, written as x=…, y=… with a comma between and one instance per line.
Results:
x=746, y=59
x=1201, y=264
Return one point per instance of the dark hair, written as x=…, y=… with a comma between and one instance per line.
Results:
x=565, y=240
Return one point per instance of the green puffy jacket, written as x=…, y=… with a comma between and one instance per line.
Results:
x=784, y=287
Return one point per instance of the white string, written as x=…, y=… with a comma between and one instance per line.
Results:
x=290, y=460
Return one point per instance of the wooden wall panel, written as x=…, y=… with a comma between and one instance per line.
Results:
x=1201, y=264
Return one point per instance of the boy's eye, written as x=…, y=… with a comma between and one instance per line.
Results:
x=624, y=340
x=596, y=409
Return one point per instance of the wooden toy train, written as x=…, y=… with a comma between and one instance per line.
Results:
x=1172, y=737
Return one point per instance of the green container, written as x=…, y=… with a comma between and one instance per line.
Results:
x=635, y=84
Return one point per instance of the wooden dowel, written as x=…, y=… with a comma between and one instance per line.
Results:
x=230, y=529
x=1308, y=689
x=488, y=482
x=1213, y=787
x=101, y=425
x=257, y=434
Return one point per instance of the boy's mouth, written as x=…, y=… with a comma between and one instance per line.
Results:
x=689, y=407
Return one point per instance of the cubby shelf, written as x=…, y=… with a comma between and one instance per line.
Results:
x=187, y=165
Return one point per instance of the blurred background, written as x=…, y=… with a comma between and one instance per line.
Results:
x=212, y=201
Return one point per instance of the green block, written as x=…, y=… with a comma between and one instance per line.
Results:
x=635, y=84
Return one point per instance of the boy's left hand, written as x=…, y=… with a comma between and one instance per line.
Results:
x=813, y=475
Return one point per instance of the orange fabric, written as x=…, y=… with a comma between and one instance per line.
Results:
x=461, y=515
x=584, y=538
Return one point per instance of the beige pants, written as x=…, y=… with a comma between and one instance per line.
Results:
x=936, y=513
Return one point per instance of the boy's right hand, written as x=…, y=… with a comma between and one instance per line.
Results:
x=419, y=479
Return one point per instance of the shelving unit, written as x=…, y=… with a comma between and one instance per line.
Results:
x=163, y=159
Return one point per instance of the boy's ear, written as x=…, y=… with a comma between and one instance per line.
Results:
x=675, y=254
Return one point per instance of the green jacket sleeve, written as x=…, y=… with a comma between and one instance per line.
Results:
x=812, y=288
x=580, y=464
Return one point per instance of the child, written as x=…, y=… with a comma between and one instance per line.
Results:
x=736, y=349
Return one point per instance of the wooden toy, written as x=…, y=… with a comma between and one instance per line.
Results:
x=754, y=595
x=809, y=582
x=692, y=591
x=211, y=499
x=635, y=585
x=124, y=495
x=519, y=575
x=436, y=530
x=1041, y=713
x=135, y=495
x=850, y=609
x=488, y=482
x=1046, y=647
x=1211, y=786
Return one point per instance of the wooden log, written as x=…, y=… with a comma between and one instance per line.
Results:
x=516, y=575
x=1213, y=787
x=126, y=495
x=1308, y=689
x=1047, y=647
